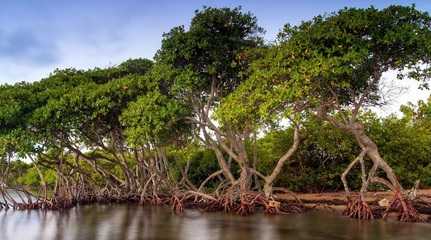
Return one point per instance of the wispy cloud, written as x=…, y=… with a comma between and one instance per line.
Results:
x=37, y=38
x=25, y=47
x=26, y=57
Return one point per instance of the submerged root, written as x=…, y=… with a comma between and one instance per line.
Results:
x=272, y=207
x=289, y=208
x=202, y=201
x=231, y=201
x=358, y=208
x=404, y=208
x=250, y=202
x=227, y=202
x=247, y=204
x=177, y=203
x=160, y=199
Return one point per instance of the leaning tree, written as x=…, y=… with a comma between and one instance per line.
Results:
x=85, y=122
x=339, y=60
x=154, y=122
x=50, y=120
x=210, y=63
x=259, y=103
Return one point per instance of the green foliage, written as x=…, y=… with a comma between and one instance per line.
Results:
x=220, y=67
x=343, y=55
x=202, y=162
x=211, y=48
x=154, y=118
x=32, y=179
x=318, y=163
x=405, y=142
x=247, y=106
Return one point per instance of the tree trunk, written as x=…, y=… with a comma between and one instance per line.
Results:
x=223, y=165
x=371, y=149
x=245, y=179
x=269, y=180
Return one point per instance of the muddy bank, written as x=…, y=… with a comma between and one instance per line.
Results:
x=336, y=201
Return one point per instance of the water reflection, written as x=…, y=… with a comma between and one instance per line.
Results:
x=115, y=222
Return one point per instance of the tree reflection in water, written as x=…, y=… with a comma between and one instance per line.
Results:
x=115, y=222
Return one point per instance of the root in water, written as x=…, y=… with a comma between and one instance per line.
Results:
x=177, y=203
x=358, y=208
x=404, y=208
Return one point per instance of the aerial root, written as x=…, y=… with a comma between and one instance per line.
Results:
x=247, y=204
x=250, y=202
x=272, y=207
x=177, y=203
x=404, y=208
x=358, y=208
x=231, y=201
x=227, y=202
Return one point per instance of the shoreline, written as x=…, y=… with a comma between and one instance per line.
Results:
x=336, y=201
x=286, y=203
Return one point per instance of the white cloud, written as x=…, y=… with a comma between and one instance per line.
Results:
x=398, y=92
x=82, y=49
x=12, y=71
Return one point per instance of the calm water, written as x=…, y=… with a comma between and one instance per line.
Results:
x=114, y=222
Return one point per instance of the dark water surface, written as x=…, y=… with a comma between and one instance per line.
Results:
x=115, y=222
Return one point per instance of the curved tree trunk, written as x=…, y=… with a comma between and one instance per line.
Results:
x=269, y=180
x=223, y=165
x=372, y=152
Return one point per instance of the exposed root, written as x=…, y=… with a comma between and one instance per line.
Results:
x=358, y=208
x=272, y=207
x=177, y=203
x=227, y=202
x=247, y=204
x=231, y=201
x=404, y=208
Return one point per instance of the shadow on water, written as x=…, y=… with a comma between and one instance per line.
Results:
x=115, y=222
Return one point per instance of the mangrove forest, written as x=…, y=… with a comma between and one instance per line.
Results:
x=222, y=120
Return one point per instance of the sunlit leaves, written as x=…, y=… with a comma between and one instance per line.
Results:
x=208, y=51
x=346, y=52
x=154, y=119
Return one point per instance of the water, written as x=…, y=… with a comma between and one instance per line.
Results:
x=120, y=222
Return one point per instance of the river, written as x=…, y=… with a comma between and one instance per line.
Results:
x=121, y=222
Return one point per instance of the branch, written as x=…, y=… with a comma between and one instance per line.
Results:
x=209, y=178
x=259, y=174
x=296, y=141
x=383, y=182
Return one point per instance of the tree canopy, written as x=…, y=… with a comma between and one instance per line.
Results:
x=220, y=115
